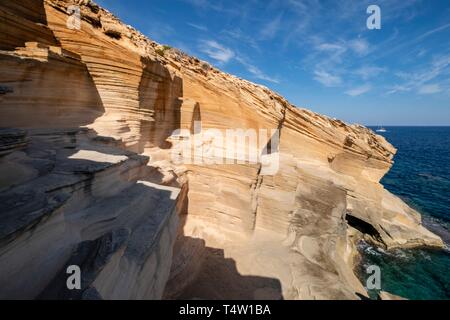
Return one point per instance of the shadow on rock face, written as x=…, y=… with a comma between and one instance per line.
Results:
x=56, y=93
x=159, y=102
x=17, y=15
x=202, y=272
x=218, y=278
x=76, y=198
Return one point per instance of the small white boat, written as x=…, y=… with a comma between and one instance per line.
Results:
x=381, y=129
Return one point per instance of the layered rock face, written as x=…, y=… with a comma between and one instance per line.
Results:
x=89, y=176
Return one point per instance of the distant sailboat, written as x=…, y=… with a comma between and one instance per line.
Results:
x=381, y=129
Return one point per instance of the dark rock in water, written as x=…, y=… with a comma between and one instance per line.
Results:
x=437, y=227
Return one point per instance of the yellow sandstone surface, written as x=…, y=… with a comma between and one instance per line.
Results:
x=88, y=175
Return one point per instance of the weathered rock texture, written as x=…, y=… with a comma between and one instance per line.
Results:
x=88, y=178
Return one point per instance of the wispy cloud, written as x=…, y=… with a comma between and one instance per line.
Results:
x=430, y=89
x=222, y=55
x=331, y=47
x=367, y=72
x=433, y=31
x=255, y=71
x=418, y=79
x=412, y=42
x=333, y=61
x=218, y=6
x=239, y=35
x=270, y=30
x=160, y=32
x=216, y=51
x=421, y=52
x=197, y=26
x=358, y=90
x=328, y=61
x=360, y=46
x=326, y=55
x=327, y=79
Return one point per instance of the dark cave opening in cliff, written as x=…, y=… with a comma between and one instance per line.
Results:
x=362, y=226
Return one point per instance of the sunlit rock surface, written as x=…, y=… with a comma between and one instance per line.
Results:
x=88, y=177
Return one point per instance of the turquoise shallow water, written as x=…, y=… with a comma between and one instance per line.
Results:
x=421, y=177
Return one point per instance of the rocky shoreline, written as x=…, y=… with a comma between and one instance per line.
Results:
x=89, y=174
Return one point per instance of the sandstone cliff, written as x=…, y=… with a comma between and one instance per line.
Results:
x=88, y=177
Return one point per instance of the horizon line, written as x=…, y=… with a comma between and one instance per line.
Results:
x=408, y=125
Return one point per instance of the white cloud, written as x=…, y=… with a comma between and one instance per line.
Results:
x=160, y=32
x=197, y=26
x=367, y=72
x=431, y=32
x=271, y=29
x=216, y=51
x=398, y=88
x=333, y=52
x=208, y=5
x=223, y=54
x=421, y=52
x=430, y=89
x=327, y=79
x=243, y=38
x=260, y=75
x=418, y=79
x=325, y=56
x=360, y=46
x=255, y=71
x=358, y=90
x=331, y=47
x=412, y=43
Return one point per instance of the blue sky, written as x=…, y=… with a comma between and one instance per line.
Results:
x=318, y=54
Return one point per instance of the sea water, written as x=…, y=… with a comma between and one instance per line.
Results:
x=421, y=177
